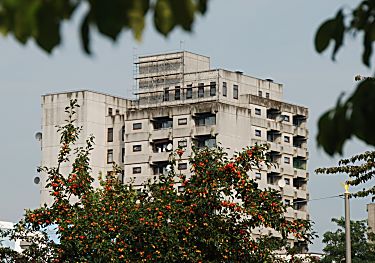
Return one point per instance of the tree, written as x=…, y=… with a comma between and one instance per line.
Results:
x=363, y=247
x=41, y=20
x=360, y=169
x=355, y=115
x=210, y=221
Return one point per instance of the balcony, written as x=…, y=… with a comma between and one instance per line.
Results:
x=159, y=157
x=301, y=173
x=161, y=134
x=300, y=194
x=300, y=132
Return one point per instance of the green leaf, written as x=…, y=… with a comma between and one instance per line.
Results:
x=163, y=17
x=332, y=29
x=85, y=34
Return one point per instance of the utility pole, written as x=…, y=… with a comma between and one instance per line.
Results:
x=348, y=244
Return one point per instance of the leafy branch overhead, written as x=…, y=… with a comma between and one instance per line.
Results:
x=360, y=169
x=41, y=20
x=355, y=116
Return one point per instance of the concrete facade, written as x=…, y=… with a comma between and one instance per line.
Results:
x=182, y=100
x=371, y=217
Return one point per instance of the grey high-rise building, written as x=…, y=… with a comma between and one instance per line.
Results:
x=180, y=101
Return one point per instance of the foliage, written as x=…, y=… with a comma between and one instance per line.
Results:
x=354, y=116
x=363, y=247
x=360, y=169
x=41, y=20
x=210, y=221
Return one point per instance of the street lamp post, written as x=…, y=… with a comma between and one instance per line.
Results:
x=348, y=254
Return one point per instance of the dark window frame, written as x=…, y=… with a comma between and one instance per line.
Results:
x=137, y=148
x=235, y=91
x=200, y=90
x=189, y=91
x=225, y=89
x=258, y=133
x=166, y=94
x=182, y=166
x=258, y=111
x=212, y=88
x=110, y=135
x=137, y=126
x=182, y=121
x=177, y=93
x=137, y=170
x=110, y=156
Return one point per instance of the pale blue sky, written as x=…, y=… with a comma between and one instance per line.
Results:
x=265, y=39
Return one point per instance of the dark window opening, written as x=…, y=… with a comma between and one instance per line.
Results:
x=200, y=90
x=159, y=146
x=205, y=141
x=212, y=88
x=177, y=93
x=182, y=166
x=166, y=94
x=225, y=89
x=204, y=119
x=137, y=170
x=110, y=156
x=110, y=135
x=189, y=91
x=235, y=91
x=137, y=126
x=137, y=148
x=182, y=121
x=162, y=123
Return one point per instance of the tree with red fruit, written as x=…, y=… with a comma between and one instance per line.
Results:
x=211, y=221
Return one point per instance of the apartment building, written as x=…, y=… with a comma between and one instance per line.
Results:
x=180, y=101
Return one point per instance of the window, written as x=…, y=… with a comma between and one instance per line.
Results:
x=162, y=146
x=117, y=112
x=287, y=181
x=160, y=168
x=110, y=135
x=287, y=202
x=267, y=95
x=110, y=156
x=285, y=118
x=260, y=93
x=182, y=143
x=177, y=93
x=137, y=126
x=225, y=89
x=258, y=133
x=182, y=121
x=205, y=119
x=205, y=141
x=137, y=170
x=110, y=111
x=182, y=166
x=286, y=160
x=258, y=111
x=189, y=91
x=162, y=123
x=123, y=155
x=258, y=176
x=137, y=148
x=123, y=133
x=286, y=139
x=200, y=90
x=212, y=88
x=166, y=94
x=235, y=92
x=181, y=189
